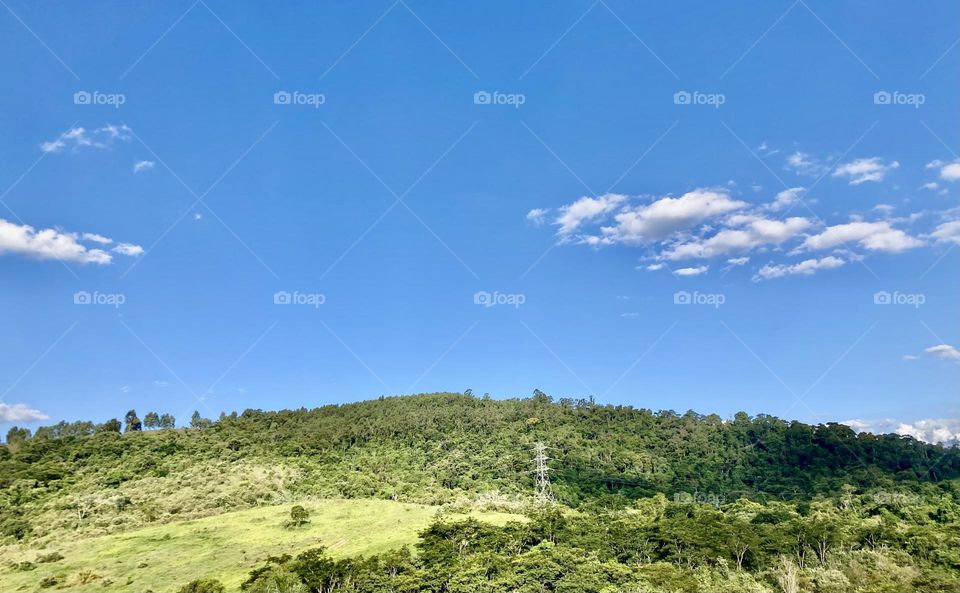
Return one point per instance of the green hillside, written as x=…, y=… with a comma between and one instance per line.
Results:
x=225, y=547
x=645, y=500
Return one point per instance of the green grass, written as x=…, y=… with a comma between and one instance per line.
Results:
x=225, y=547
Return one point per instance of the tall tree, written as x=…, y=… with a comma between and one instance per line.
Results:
x=151, y=420
x=133, y=422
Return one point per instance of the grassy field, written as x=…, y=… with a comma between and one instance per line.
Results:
x=225, y=547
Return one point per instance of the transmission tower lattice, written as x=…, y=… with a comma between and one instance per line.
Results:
x=544, y=490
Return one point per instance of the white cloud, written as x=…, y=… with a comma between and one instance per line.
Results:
x=20, y=413
x=654, y=267
x=54, y=244
x=948, y=232
x=691, y=271
x=876, y=236
x=663, y=217
x=537, y=215
x=96, y=238
x=944, y=352
x=738, y=261
x=806, y=268
x=785, y=198
x=804, y=164
x=142, y=166
x=948, y=171
x=932, y=186
x=756, y=233
x=933, y=430
x=128, y=249
x=863, y=170
x=586, y=209
x=78, y=137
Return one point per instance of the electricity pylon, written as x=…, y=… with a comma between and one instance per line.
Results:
x=544, y=491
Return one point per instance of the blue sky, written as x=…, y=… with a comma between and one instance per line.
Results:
x=682, y=206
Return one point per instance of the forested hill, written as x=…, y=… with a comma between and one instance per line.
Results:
x=436, y=446
x=465, y=452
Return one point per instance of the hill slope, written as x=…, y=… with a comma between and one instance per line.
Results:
x=225, y=547
x=434, y=449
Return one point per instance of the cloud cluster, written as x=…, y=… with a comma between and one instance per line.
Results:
x=20, y=413
x=25, y=240
x=709, y=223
x=945, y=431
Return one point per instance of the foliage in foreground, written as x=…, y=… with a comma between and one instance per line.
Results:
x=878, y=542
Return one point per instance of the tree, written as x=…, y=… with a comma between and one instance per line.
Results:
x=198, y=421
x=167, y=421
x=17, y=436
x=151, y=420
x=133, y=422
x=111, y=425
x=299, y=516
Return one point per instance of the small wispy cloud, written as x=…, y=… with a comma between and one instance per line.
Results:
x=694, y=271
x=141, y=166
x=807, y=267
x=79, y=137
x=864, y=170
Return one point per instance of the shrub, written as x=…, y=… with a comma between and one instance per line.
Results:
x=202, y=586
x=51, y=557
x=46, y=582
